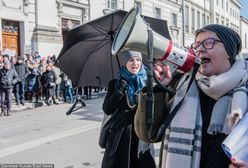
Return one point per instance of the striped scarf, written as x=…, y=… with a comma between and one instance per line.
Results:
x=182, y=143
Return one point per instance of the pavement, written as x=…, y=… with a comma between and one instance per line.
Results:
x=30, y=105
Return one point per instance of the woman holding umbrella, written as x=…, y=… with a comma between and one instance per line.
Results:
x=123, y=147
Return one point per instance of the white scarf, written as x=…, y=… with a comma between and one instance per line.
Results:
x=182, y=142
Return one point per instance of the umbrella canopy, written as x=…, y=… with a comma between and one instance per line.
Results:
x=86, y=54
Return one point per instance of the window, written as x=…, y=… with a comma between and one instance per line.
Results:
x=157, y=12
x=186, y=19
x=198, y=20
x=112, y=4
x=217, y=2
x=227, y=6
x=174, y=19
x=222, y=4
x=10, y=27
x=193, y=21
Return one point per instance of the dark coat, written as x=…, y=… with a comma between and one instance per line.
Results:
x=8, y=78
x=49, y=79
x=122, y=144
x=33, y=80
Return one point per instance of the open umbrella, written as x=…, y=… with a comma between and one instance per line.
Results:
x=86, y=54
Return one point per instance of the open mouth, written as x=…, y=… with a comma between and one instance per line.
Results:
x=205, y=60
x=135, y=68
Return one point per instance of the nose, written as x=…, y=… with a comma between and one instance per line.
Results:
x=201, y=49
x=135, y=62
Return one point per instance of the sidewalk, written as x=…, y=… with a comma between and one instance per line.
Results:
x=41, y=103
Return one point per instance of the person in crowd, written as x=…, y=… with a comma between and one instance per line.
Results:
x=58, y=82
x=98, y=88
x=78, y=90
x=87, y=91
x=1, y=67
x=42, y=69
x=6, y=57
x=29, y=59
x=122, y=147
x=13, y=61
x=8, y=77
x=1, y=61
x=33, y=81
x=49, y=79
x=36, y=56
x=213, y=104
x=66, y=86
x=22, y=71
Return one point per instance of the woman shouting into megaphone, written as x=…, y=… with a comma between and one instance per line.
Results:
x=208, y=106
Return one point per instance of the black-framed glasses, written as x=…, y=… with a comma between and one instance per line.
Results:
x=207, y=44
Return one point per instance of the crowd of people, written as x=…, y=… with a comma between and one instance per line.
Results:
x=34, y=79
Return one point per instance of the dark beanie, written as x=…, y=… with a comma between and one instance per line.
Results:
x=20, y=58
x=6, y=55
x=229, y=38
x=127, y=54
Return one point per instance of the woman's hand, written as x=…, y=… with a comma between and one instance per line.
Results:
x=162, y=73
x=238, y=163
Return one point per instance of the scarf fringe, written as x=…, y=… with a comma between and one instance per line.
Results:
x=214, y=129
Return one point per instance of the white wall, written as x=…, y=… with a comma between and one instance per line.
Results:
x=47, y=13
x=96, y=8
x=46, y=49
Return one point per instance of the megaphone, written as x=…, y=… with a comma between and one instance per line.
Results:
x=133, y=35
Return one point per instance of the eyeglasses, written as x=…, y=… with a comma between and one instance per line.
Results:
x=207, y=44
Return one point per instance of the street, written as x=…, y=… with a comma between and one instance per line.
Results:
x=45, y=135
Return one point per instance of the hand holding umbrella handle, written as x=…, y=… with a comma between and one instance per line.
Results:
x=122, y=86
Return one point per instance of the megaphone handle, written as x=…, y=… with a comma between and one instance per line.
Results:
x=149, y=97
x=150, y=62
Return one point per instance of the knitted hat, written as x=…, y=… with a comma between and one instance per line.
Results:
x=6, y=55
x=20, y=58
x=229, y=38
x=6, y=62
x=127, y=54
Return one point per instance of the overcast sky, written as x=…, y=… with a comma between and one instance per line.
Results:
x=244, y=10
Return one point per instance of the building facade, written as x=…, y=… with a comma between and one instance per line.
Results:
x=244, y=36
x=38, y=25
x=43, y=25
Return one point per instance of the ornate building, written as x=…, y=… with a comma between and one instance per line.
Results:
x=42, y=25
x=38, y=25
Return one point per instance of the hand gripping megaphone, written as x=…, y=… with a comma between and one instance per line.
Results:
x=133, y=35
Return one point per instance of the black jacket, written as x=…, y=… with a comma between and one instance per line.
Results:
x=49, y=78
x=122, y=144
x=8, y=78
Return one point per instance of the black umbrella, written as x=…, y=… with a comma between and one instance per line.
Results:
x=86, y=55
